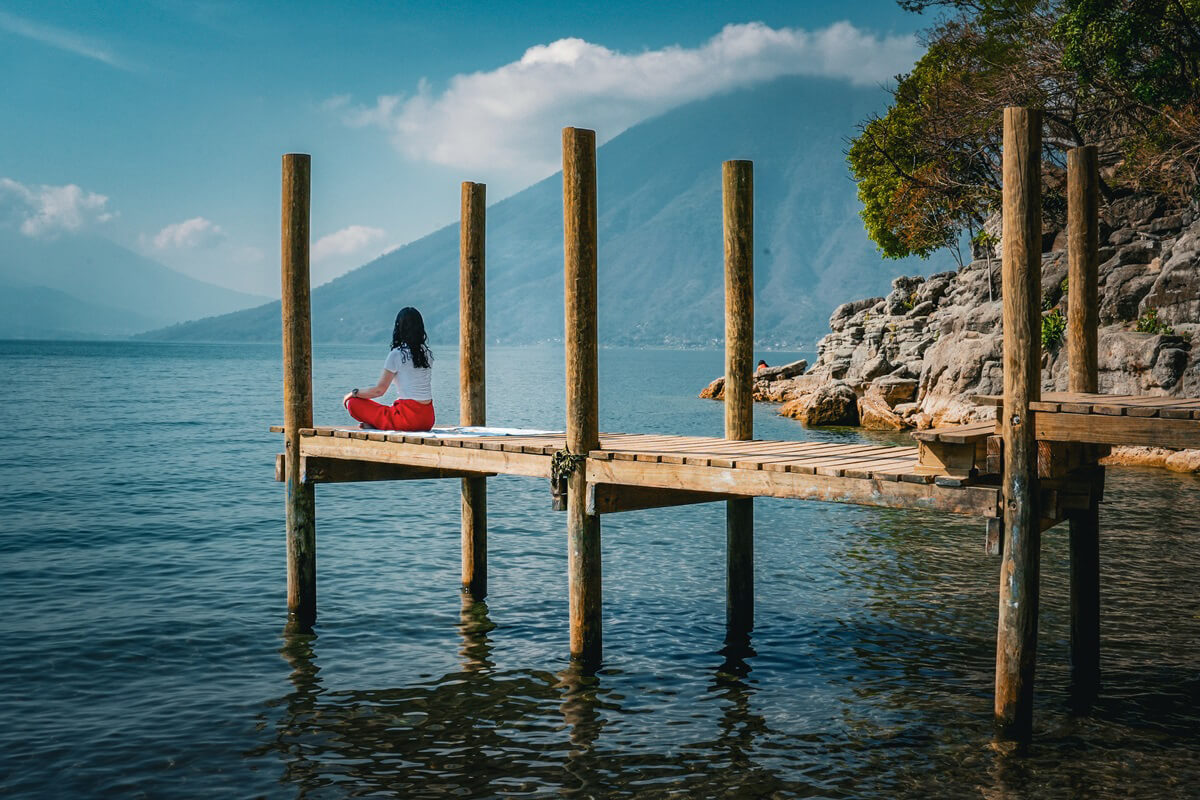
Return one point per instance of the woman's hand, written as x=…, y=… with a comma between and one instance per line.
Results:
x=349, y=394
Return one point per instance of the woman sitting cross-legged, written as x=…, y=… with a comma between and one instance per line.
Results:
x=408, y=367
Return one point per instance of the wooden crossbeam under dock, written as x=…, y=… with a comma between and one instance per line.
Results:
x=1172, y=422
x=721, y=469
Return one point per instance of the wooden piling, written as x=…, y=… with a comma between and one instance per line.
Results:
x=1083, y=248
x=297, y=390
x=471, y=378
x=1083, y=323
x=738, y=217
x=1016, y=635
x=583, y=433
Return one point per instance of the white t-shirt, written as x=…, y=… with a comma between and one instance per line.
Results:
x=411, y=383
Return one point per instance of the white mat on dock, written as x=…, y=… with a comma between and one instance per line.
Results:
x=467, y=432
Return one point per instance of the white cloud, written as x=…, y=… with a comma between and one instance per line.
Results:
x=345, y=242
x=49, y=210
x=193, y=233
x=60, y=39
x=510, y=118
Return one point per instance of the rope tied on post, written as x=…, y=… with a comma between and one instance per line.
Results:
x=562, y=464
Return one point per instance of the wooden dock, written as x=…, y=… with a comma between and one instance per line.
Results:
x=632, y=472
x=1033, y=467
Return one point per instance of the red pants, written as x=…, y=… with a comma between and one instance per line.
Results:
x=402, y=415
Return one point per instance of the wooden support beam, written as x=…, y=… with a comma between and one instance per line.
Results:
x=316, y=469
x=609, y=498
x=472, y=280
x=583, y=431
x=977, y=501
x=737, y=191
x=943, y=458
x=1016, y=635
x=297, y=390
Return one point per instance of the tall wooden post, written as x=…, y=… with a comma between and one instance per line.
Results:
x=1016, y=635
x=471, y=390
x=583, y=432
x=297, y=390
x=737, y=193
x=1083, y=323
x=1083, y=249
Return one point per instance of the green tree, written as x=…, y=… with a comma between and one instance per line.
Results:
x=1117, y=73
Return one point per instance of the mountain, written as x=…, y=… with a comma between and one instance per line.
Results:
x=83, y=286
x=660, y=240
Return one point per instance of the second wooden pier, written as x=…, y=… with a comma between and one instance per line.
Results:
x=1032, y=468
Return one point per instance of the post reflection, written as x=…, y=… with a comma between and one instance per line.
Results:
x=474, y=627
x=464, y=733
x=740, y=728
x=582, y=698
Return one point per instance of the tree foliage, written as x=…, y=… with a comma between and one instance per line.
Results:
x=1121, y=74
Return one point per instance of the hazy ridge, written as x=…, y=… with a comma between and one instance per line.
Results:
x=660, y=249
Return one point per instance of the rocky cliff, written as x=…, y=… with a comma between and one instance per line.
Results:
x=914, y=357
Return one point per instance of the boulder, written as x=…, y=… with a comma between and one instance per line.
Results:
x=1184, y=461
x=832, y=404
x=1133, y=210
x=1168, y=366
x=1175, y=294
x=875, y=414
x=715, y=390
x=876, y=367
x=784, y=371
x=1122, y=236
x=904, y=295
x=1124, y=289
x=847, y=310
x=1137, y=457
x=894, y=389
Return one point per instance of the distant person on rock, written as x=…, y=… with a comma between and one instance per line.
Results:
x=761, y=366
x=407, y=366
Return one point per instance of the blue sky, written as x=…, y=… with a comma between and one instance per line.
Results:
x=160, y=124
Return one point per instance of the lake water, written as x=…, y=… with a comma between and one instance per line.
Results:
x=143, y=653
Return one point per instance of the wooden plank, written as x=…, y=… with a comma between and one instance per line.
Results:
x=867, y=461
x=810, y=466
x=486, y=461
x=1100, y=429
x=780, y=461
x=607, y=498
x=893, y=469
x=971, y=500
x=956, y=434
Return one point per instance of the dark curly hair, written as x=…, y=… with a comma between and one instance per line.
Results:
x=409, y=335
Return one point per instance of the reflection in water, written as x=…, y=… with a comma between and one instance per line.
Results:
x=924, y=650
x=474, y=627
x=740, y=727
x=582, y=698
x=473, y=732
x=904, y=658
